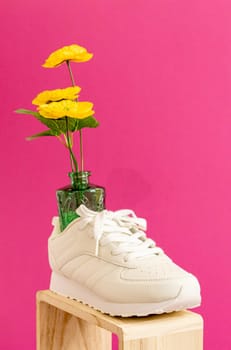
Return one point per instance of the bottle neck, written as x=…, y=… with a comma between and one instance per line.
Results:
x=79, y=180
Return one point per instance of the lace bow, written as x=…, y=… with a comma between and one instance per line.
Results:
x=122, y=227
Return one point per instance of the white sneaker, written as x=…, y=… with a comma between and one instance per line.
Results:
x=105, y=260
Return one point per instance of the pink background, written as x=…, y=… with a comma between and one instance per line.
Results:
x=161, y=83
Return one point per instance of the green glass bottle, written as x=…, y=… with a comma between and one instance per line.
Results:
x=80, y=191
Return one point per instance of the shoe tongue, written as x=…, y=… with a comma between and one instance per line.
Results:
x=82, y=210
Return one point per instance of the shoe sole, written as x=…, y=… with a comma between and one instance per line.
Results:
x=187, y=298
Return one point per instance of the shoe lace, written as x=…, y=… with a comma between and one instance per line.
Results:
x=121, y=227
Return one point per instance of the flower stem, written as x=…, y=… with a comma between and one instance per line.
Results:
x=80, y=131
x=74, y=165
x=70, y=72
x=81, y=148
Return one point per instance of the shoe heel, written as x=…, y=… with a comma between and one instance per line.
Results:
x=66, y=287
x=62, y=285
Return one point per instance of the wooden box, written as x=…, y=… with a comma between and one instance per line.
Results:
x=65, y=324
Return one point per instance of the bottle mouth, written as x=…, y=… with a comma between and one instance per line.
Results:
x=79, y=174
x=79, y=180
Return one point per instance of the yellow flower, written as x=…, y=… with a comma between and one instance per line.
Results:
x=66, y=108
x=73, y=53
x=47, y=96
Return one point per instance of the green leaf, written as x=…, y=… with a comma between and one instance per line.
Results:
x=53, y=124
x=43, y=133
x=26, y=111
x=76, y=124
x=89, y=122
x=59, y=126
x=73, y=124
x=50, y=123
x=62, y=124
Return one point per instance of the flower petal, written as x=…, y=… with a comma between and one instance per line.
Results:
x=66, y=108
x=46, y=96
x=73, y=53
